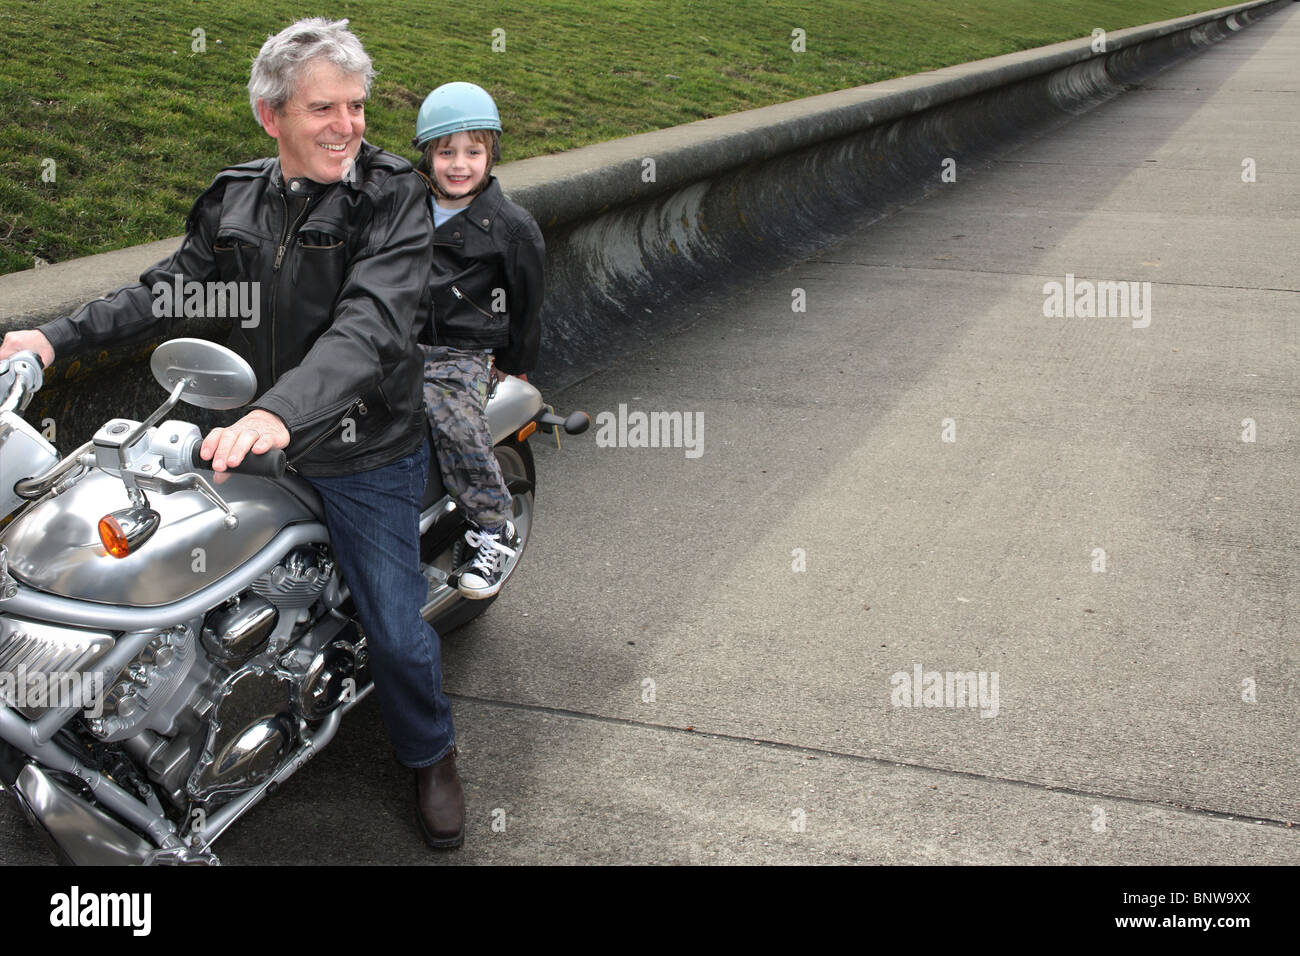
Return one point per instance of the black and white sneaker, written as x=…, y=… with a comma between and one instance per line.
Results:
x=485, y=572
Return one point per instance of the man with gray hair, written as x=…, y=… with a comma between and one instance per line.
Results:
x=335, y=235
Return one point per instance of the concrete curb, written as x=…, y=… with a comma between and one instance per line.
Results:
x=583, y=183
x=752, y=190
x=727, y=195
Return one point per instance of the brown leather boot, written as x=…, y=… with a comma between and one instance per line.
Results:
x=440, y=803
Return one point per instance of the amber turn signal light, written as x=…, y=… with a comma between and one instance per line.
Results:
x=113, y=537
x=526, y=431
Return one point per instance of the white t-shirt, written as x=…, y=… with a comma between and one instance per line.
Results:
x=441, y=213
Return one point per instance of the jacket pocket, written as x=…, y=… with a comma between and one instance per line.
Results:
x=321, y=258
x=236, y=257
x=464, y=316
x=341, y=436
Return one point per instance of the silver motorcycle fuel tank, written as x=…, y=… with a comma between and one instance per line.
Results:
x=55, y=546
x=512, y=406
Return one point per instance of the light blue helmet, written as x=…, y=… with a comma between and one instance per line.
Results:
x=452, y=108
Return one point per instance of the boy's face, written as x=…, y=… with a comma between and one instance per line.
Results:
x=459, y=164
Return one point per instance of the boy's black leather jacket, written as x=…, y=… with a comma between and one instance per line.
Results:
x=488, y=279
x=343, y=296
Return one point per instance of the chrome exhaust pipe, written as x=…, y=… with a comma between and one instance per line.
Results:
x=81, y=834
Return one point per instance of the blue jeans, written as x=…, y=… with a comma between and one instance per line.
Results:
x=373, y=519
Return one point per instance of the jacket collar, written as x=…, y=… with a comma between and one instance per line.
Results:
x=310, y=187
x=483, y=211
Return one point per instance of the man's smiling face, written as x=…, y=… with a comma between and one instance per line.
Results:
x=319, y=129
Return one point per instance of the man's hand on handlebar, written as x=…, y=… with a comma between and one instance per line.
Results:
x=257, y=432
x=15, y=342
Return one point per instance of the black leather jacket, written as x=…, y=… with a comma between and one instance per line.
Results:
x=343, y=295
x=489, y=265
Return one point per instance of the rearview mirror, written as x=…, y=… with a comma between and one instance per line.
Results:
x=218, y=377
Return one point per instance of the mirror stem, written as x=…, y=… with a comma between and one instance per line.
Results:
x=152, y=420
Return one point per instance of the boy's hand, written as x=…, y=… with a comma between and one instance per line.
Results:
x=499, y=376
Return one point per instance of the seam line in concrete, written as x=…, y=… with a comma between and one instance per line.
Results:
x=1161, y=168
x=1187, y=809
x=1044, y=275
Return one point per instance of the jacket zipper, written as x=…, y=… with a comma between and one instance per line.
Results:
x=357, y=405
x=464, y=298
x=285, y=239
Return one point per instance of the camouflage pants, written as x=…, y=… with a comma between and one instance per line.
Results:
x=456, y=387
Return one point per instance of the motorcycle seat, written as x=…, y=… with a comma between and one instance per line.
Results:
x=302, y=489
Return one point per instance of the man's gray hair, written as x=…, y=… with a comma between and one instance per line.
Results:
x=284, y=58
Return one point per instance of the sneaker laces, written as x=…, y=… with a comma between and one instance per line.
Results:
x=491, y=552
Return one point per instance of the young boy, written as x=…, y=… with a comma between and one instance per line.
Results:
x=487, y=281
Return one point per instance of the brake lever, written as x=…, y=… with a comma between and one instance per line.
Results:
x=153, y=477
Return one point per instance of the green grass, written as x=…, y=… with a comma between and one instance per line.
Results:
x=137, y=123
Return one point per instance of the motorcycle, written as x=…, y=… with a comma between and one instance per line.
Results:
x=173, y=648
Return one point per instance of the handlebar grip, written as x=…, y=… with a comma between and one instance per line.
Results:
x=577, y=423
x=269, y=465
x=24, y=367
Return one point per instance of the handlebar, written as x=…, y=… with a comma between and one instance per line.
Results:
x=20, y=379
x=575, y=424
x=269, y=465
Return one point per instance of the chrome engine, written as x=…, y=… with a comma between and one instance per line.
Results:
x=298, y=580
x=145, y=695
x=214, y=707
